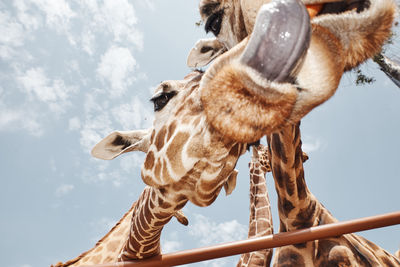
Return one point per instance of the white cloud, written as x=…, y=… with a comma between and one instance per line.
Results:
x=64, y=189
x=74, y=124
x=55, y=14
x=88, y=41
x=112, y=17
x=11, y=32
x=210, y=232
x=311, y=146
x=97, y=123
x=90, y=134
x=25, y=16
x=11, y=35
x=52, y=92
x=58, y=13
x=95, y=19
x=117, y=67
x=19, y=119
x=171, y=246
x=133, y=115
x=118, y=17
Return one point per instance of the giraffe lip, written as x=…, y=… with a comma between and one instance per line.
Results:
x=338, y=6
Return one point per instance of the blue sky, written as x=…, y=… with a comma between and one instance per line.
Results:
x=73, y=71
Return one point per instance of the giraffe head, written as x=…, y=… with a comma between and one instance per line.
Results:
x=230, y=21
x=182, y=149
x=288, y=63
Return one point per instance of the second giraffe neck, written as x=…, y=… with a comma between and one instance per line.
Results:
x=297, y=207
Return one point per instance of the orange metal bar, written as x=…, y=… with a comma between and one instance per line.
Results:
x=277, y=240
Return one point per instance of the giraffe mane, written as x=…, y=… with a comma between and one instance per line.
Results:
x=98, y=243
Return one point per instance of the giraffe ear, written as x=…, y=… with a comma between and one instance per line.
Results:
x=118, y=143
x=230, y=184
x=204, y=51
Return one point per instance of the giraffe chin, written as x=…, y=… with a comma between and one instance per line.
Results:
x=239, y=113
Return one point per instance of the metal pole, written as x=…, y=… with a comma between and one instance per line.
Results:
x=277, y=240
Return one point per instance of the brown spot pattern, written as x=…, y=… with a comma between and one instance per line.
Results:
x=174, y=151
x=160, y=138
x=149, y=162
x=171, y=129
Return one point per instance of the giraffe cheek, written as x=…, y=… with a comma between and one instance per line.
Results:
x=174, y=155
x=149, y=162
x=236, y=110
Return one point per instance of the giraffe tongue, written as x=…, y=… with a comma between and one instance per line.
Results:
x=314, y=9
x=278, y=42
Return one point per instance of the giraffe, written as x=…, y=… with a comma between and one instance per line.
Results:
x=304, y=67
x=260, y=222
x=108, y=248
x=297, y=207
x=186, y=160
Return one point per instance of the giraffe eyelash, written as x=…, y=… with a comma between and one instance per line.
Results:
x=213, y=23
x=162, y=99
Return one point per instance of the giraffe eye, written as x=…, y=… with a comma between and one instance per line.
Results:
x=213, y=23
x=161, y=100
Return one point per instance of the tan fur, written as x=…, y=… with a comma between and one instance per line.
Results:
x=361, y=37
x=109, y=248
x=186, y=160
x=229, y=109
x=339, y=42
x=299, y=209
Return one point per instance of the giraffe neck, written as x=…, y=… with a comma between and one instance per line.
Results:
x=297, y=207
x=153, y=210
x=108, y=248
x=260, y=210
x=260, y=223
